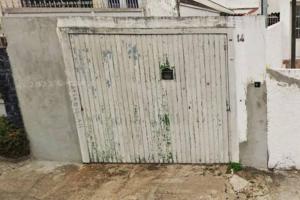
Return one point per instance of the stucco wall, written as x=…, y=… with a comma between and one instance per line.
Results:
x=283, y=89
x=188, y=10
x=38, y=69
x=250, y=62
x=46, y=106
x=254, y=152
x=274, y=47
x=239, y=3
x=161, y=8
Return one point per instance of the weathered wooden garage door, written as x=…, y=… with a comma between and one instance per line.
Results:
x=130, y=115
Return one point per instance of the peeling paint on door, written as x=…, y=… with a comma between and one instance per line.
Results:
x=131, y=115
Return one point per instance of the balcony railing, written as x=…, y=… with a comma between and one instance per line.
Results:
x=273, y=18
x=5, y=4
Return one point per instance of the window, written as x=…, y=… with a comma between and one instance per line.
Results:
x=132, y=3
x=117, y=4
x=114, y=3
x=298, y=21
x=80, y=3
x=57, y=3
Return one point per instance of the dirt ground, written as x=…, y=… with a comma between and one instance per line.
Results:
x=34, y=180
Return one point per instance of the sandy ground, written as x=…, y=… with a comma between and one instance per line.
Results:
x=34, y=180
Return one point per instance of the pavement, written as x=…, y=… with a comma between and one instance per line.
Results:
x=39, y=180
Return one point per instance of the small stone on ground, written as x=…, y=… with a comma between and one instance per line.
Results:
x=238, y=184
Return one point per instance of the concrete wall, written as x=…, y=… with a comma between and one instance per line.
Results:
x=161, y=8
x=254, y=152
x=239, y=3
x=42, y=90
x=283, y=88
x=189, y=10
x=38, y=69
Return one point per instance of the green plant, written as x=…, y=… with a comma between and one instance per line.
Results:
x=235, y=167
x=165, y=65
x=13, y=141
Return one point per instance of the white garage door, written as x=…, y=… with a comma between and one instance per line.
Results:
x=128, y=114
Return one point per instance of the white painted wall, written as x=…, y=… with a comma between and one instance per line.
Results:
x=242, y=3
x=189, y=10
x=238, y=3
x=250, y=62
x=274, y=54
x=283, y=120
x=273, y=6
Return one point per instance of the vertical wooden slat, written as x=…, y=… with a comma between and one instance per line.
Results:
x=174, y=131
x=143, y=96
x=111, y=126
x=214, y=111
x=154, y=61
x=99, y=100
x=122, y=96
x=170, y=132
x=178, y=103
x=91, y=85
x=74, y=92
x=225, y=96
x=218, y=79
x=187, y=99
x=193, y=91
x=139, y=112
x=127, y=77
x=133, y=98
x=204, y=114
x=84, y=95
x=149, y=107
x=118, y=98
x=207, y=106
x=198, y=107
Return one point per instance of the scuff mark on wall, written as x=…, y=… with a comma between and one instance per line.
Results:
x=254, y=152
x=283, y=78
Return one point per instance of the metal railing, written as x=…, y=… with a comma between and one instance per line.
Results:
x=70, y=4
x=273, y=18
